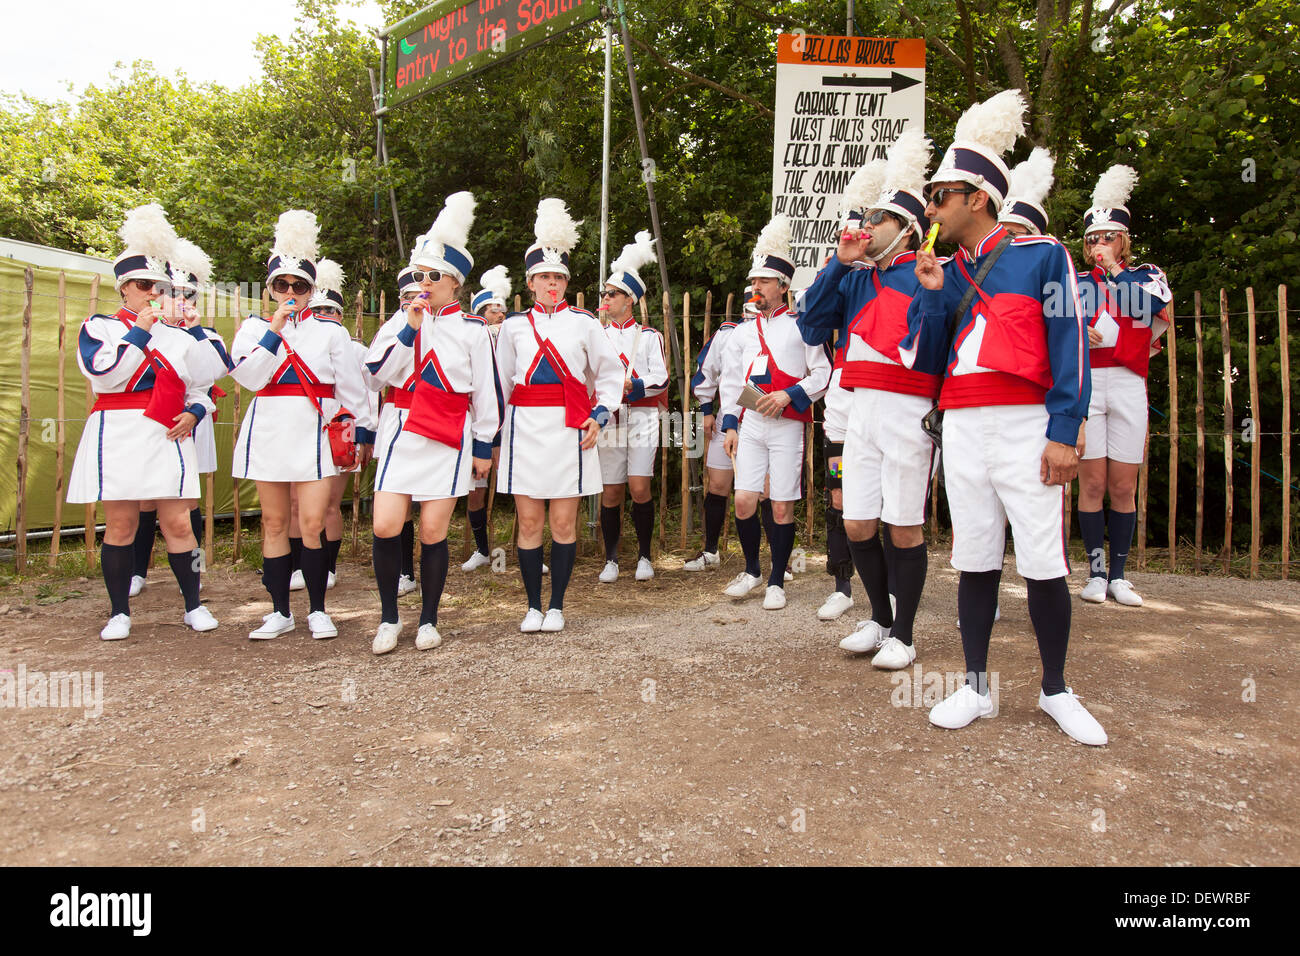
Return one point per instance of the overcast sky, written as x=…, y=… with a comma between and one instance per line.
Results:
x=46, y=45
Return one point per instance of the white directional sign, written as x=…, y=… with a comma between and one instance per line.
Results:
x=840, y=102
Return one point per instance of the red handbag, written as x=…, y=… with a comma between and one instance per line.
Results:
x=577, y=400
x=436, y=414
x=341, y=430
x=168, y=397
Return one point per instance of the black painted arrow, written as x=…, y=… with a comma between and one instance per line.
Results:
x=895, y=81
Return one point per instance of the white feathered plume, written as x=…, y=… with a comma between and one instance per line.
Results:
x=908, y=160
x=451, y=228
x=297, y=235
x=995, y=124
x=497, y=281
x=635, y=254
x=147, y=231
x=774, y=240
x=329, y=276
x=863, y=188
x=1032, y=180
x=1114, y=187
x=555, y=228
x=189, y=259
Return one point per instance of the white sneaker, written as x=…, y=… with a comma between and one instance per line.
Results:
x=1094, y=592
x=386, y=637
x=476, y=560
x=201, y=619
x=554, y=621
x=774, y=599
x=273, y=625
x=405, y=585
x=702, y=561
x=644, y=569
x=894, y=655
x=869, y=636
x=961, y=708
x=321, y=625
x=1123, y=593
x=117, y=628
x=789, y=575
x=835, y=606
x=296, y=581
x=427, y=638
x=741, y=584
x=330, y=578
x=1073, y=717
x=137, y=585
x=610, y=573
x=532, y=621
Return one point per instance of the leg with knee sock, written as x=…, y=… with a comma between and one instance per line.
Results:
x=433, y=577
x=977, y=601
x=869, y=559
x=748, y=532
x=408, y=549
x=315, y=575
x=839, y=563
x=185, y=566
x=116, y=562
x=1092, y=526
x=386, y=554
x=275, y=578
x=781, y=543
x=530, y=569
x=611, y=529
x=478, y=525
x=891, y=563
x=765, y=515
x=1121, y=526
x=910, y=565
x=1049, y=612
x=643, y=519
x=196, y=524
x=562, y=558
x=295, y=555
x=142, y=548
x=715, y=513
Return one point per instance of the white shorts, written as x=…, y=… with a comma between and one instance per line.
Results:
x=716, y=457
x=991, y=459
x=629, y=447
x=205, y=445
x=1117, y=416
x=282, y=438
x=887, y=458
x=541, y=457
x=770, y=448
x=123, y=456
x=410, y=464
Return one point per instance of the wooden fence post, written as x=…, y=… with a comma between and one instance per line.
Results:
x=1143, y=482
x=59, y=428
x=686, y=410
x=1254, y=435
x=24, y=422
x=1171, y=348
x=1285, y=358
x=1200, y=431
x=1227, y=430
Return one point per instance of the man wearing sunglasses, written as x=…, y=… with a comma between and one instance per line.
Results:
x=1014, y=396
x=887, y=457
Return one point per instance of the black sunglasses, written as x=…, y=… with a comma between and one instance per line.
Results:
x=937, y=196
x=609, y=294
x=298, y=286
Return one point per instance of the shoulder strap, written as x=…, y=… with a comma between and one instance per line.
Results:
x=955, y=319
x=300, y=367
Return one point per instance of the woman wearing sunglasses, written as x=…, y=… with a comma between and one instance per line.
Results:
x=150, y=381
x=304, y=371
x=1125, y=306
x=550, y=357
x=445, y=412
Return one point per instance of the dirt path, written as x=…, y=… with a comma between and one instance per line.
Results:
x=665, y=725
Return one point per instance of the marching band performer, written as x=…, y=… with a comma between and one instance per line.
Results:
x=302, y=367
x=438, y=359
x=1126, y=308
x=887, y=455
x=137, y=444
x=768, y=355
x=717, y=463
x=1022, y=213
x=1014, y=397
x=627, y=451
x=490, y=303
x=551, y=358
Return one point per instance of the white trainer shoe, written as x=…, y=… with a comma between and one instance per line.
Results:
x=117, y=628
x=296, y=581
x=554, y=621
x=476, y=560
x=386, y=637
x=1073, y=717
x=427, y=638
x=702, y=561
x=774, y=598
x=532, y=621
x=835, y=606
x=405, y=585
x=1123, y=593
x=894, y=655
x=869, y=636
x=644, y=569
x=610, y=573
x=961, y=708
x=1094, y=592
x=321, y=625
x=137, y=585
x=789, y=575
x=330, y=579
x=201, y=619
x=273, y=625
x=741, y=584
